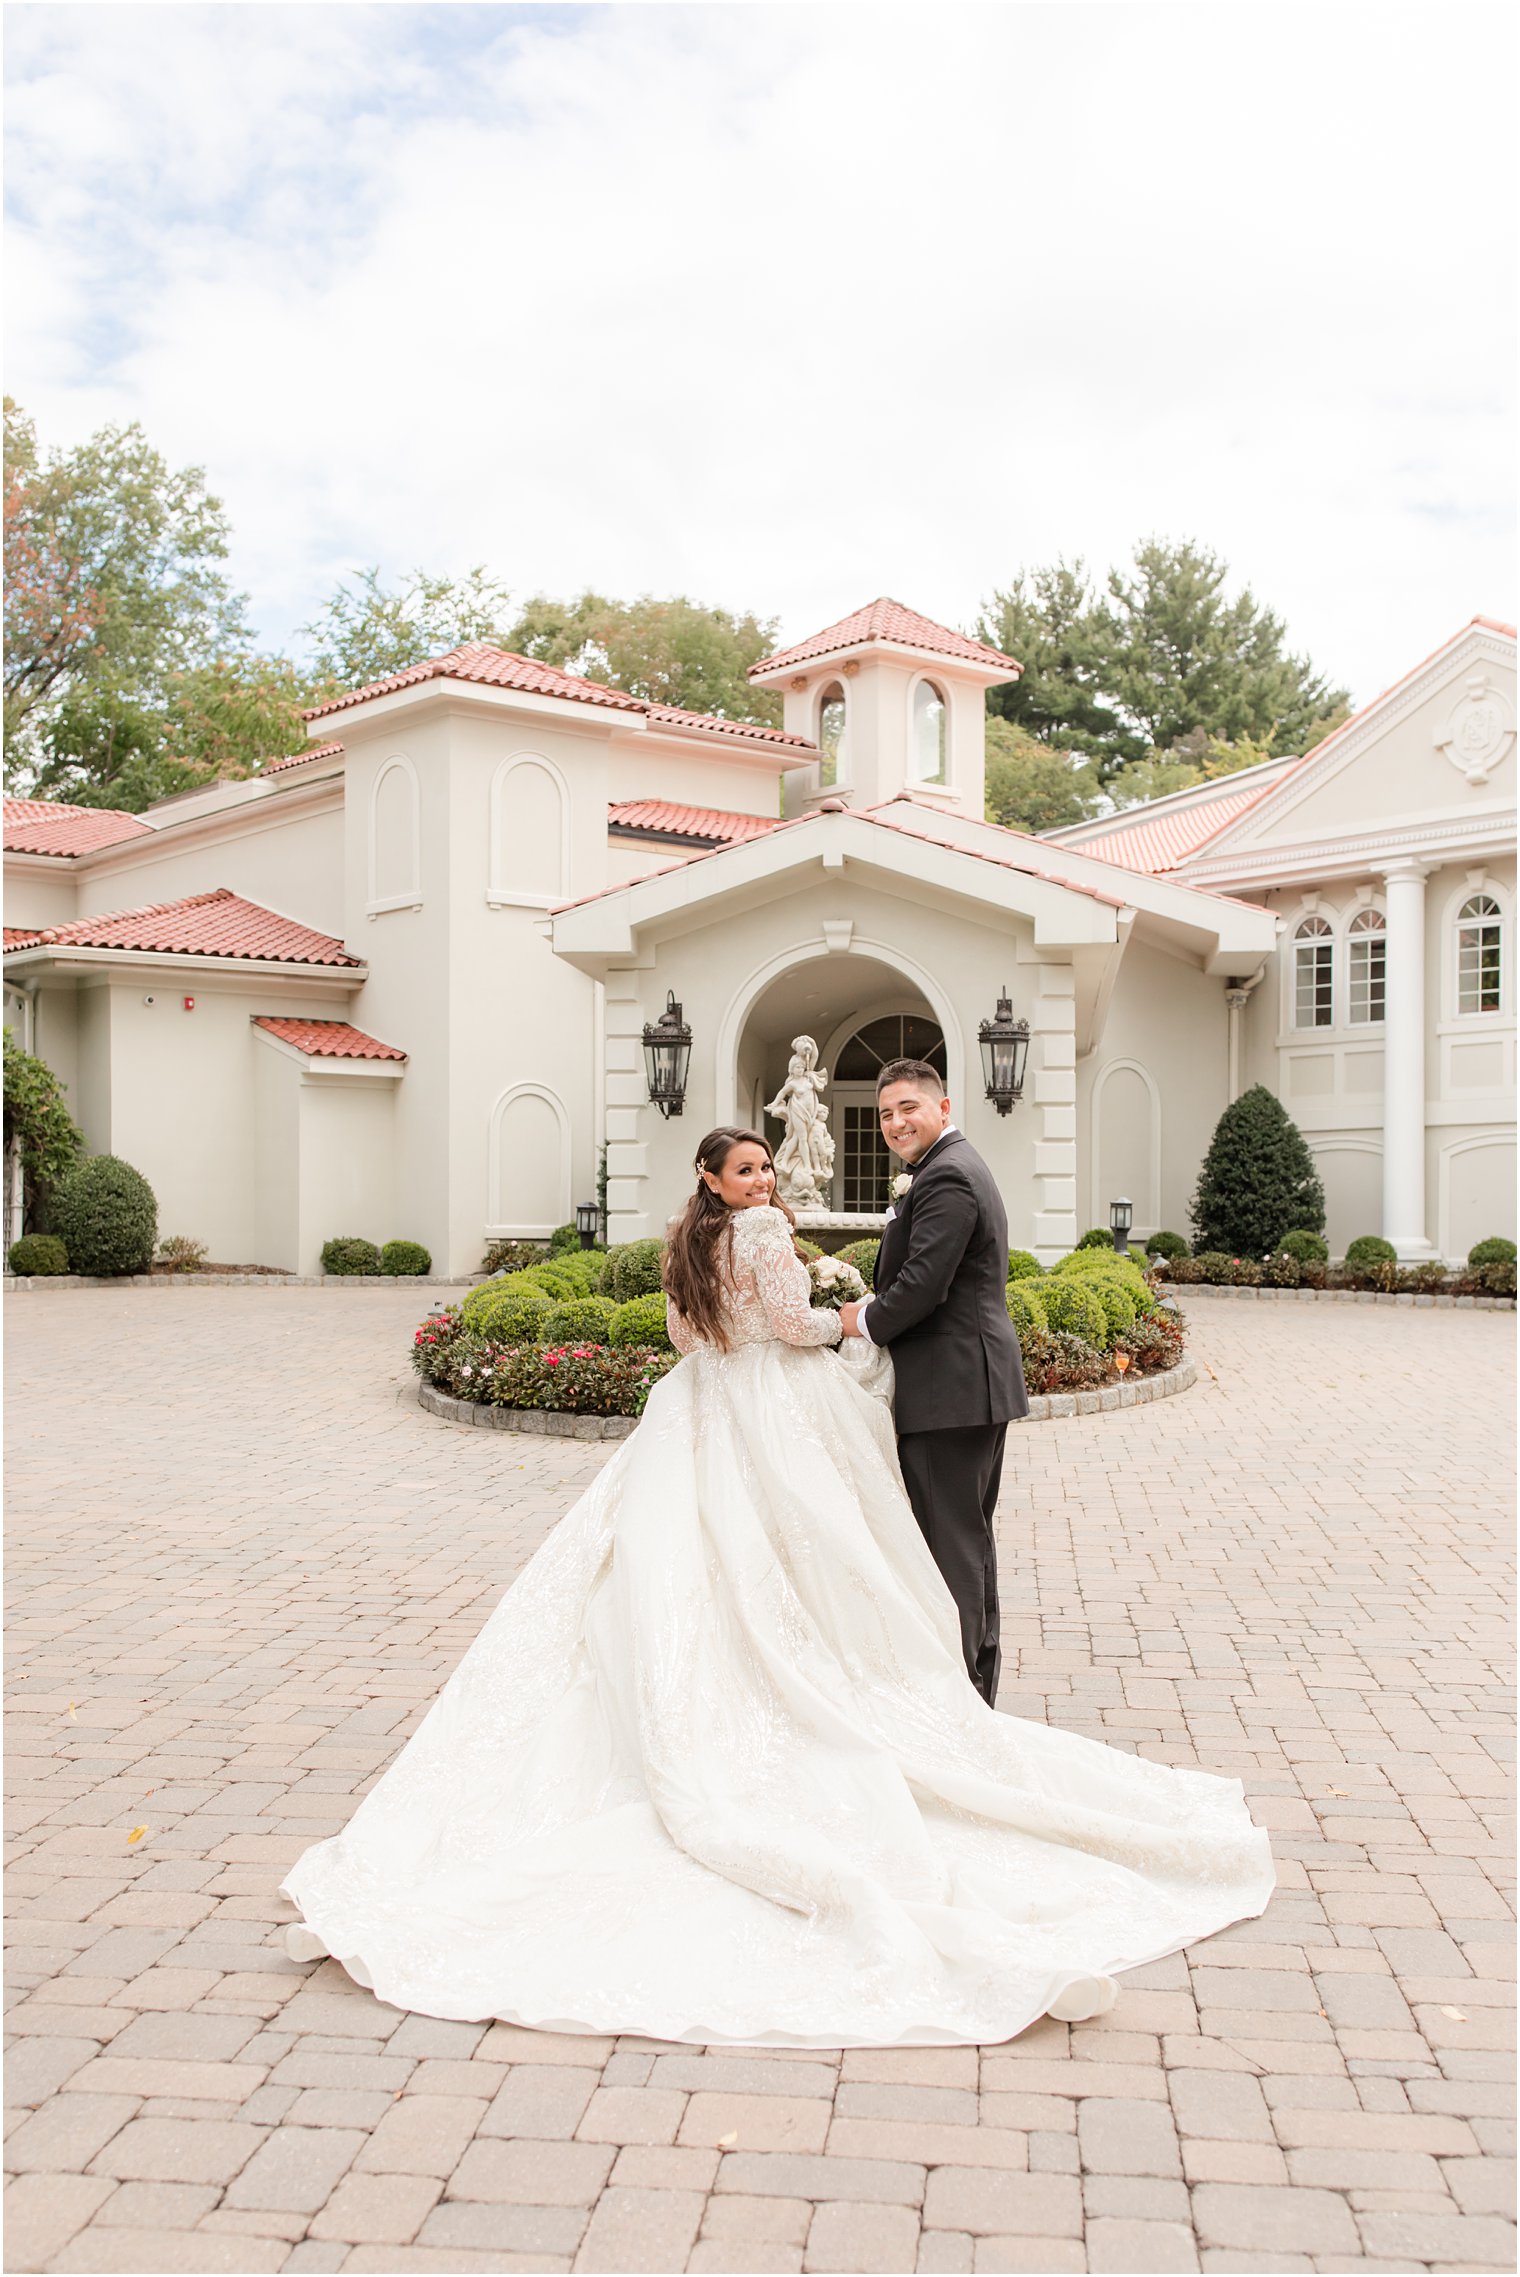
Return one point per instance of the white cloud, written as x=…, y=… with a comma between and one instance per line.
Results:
x=789, y=306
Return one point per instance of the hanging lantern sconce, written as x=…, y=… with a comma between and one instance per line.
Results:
x=667, y=1056
x=1005, y=1053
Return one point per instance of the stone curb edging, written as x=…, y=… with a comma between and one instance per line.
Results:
x=1184, y=1292
x=1044, y=1408
x=13, y=1281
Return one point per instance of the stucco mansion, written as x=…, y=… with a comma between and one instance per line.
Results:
x=397, y=984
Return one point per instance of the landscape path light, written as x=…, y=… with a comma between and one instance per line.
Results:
x=1121, y=1216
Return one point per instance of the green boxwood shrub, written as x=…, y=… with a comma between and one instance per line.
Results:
x=583, y=1267
x=38, y=1253
x=633, y=1270
x=1119, y=1308
x=583, y=1320
x=1097, y=1237
x=1026, y=1306
x=862, y=1255
x=349, y=1253
x=1257, y=1179
x=564, y=1237
x=1308, y=1248
x=1495, y=1251
x=402, y=1258
x=1073, y=1309
x=641, y=1321
x=104, y=1213
x=1092, y=1266
x=557, y=1280
x=1371, y=1249
x=808, y=1248
x=509, y=1311
x=1168, y=1245
x=1023, y=1267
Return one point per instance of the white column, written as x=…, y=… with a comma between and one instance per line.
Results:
x=1404, y=1063
x=1052, y=1080
x=627, y=1099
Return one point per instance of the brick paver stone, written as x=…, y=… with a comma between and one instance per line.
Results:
x=242, y=1562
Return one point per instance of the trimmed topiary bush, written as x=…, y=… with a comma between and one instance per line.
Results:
x=508, y=1311
x=38, y=1253
x=1023, y=1267
x=348, y=1253
x=1370, y=1249
x=1097, y=1237
x=403, y=1258
x=1026, y=1306
x=862, y=1255
x=583, y=1267
x=633, y=1270
x=104, y=1213
x=584, y=1320
x=641, y=1321
x=1073, y=1309
x=1119, y=1307
x=557, y=1280
x=809, y=1249
x=1308, y=1248
x=1166, y=1245
x=1257, y=1180
x=1495, y=1251
x=564, y=1237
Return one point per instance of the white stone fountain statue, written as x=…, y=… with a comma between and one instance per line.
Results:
x=805, y=1157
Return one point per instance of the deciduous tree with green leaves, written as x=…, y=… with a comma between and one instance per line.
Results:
x=1032, y=787
x=367, y=631
x=675, y=651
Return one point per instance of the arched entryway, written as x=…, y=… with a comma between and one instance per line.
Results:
x=860, y=1011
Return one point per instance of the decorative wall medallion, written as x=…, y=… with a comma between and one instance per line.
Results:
x=1479, y=731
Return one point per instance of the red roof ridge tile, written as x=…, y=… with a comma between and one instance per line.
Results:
x=886, y=620
x=329, y=750
x=326, y=1039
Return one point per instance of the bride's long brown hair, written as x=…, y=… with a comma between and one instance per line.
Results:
x=697, y=1252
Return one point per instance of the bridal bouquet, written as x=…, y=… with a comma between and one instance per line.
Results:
x=835, y=1283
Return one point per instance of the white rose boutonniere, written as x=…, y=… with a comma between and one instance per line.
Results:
x=902, y=1184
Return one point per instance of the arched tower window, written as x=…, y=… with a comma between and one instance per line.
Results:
x=929, y=733
x=1480, y=955
x=1314, y=974
x=831, y=736
x=1368, y=969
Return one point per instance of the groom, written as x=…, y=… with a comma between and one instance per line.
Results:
x=940, y=1304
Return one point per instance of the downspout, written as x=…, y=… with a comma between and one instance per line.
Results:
x=1237, y=994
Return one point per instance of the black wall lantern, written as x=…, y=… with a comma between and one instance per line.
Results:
x=1005, y=1052
x=1121, y=1216
x=587, y=1221
x=667, y=1055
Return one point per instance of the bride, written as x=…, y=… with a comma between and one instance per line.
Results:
x=714, y=1772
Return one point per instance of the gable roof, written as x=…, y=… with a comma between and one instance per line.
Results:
x=886, y=620
x=485, y=665
x=1168, y=833
x=218, y=924
x=703, y=825
x=327, y=1039
x=44, y=826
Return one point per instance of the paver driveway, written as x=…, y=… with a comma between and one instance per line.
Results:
x=240, y=1567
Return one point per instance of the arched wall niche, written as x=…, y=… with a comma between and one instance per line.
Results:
x=529, y=829
x=1126, y=1143
x=527, y=1163
x=395, y=838
x=1475, y=1191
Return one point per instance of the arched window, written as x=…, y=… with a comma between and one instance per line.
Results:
x=1480, y=955
x=1314, y=974
x=831, y=730
x=1369, y=952
x=928, y=733
x=864, y=1169
x=901, y=1035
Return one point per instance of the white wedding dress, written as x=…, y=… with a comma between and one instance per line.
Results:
x=714, y=1771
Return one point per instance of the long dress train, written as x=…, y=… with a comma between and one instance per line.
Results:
x=713, y=1771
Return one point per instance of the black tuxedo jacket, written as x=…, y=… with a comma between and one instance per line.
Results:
x=940, y=1302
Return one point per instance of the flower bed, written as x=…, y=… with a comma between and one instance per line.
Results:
x=569, y=1379
x=1377, y=1275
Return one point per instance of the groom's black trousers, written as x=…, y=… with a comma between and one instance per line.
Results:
x=952, y=1479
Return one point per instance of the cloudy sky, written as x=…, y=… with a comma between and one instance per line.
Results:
x=787, y=306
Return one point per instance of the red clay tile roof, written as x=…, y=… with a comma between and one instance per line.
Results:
x=663, y=818
x=886, y=621
x=42, y=826
x=219, y=924
x=300, y=758
x=486, y=666
x=328, y=1039
x=1160, y=842
x=669, y=715
x=16, y=936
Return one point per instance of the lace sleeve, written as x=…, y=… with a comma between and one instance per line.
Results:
x=681, y=1336
x=781, y=1280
